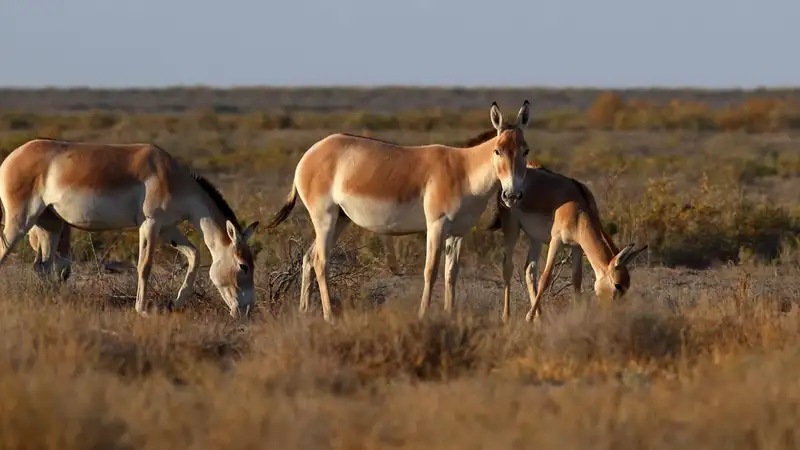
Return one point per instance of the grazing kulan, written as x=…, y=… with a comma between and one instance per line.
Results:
x=562, y=211
x=392, y=189
x=52, y=184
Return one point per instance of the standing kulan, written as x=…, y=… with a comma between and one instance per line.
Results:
x=396, y=190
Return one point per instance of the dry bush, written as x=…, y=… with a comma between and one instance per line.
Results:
x=608, y=111
x=702, y=225
x=602, y=113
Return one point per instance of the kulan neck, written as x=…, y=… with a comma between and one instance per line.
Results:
x=594, y=246
x=483, y=180
x=212, y=226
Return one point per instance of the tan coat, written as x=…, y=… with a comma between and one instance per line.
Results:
x=51, y=184
x=392, y=189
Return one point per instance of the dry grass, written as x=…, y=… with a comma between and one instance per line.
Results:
x=701, y=354
x=710, y=364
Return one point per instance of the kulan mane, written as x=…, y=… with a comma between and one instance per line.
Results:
x=217, y=198
x=484, y=136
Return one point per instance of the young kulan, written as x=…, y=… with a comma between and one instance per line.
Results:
x=561, y=211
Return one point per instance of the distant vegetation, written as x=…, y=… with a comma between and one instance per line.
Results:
x=403, y=109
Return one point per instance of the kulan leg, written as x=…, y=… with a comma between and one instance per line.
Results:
x=308, y=264
x=18, y=222
x=577, y=272
x=63, y=261
x=181, y=243
x=50, y=238
x=305, y=283
x=35, y=235
x=547, y=278
x=325, y=227
x=148, y=233
x=532, y=267
x=452, y=255
x=432, y=256
x=391, y=255
x=510, y=237
x=45, y=253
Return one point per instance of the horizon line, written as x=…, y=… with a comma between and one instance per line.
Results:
x=188, y=86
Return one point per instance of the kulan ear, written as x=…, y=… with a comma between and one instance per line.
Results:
x=233, y=233
x=619, y=259
x=524, y=114
x=628, y=254
x=496, y=116
x=633, y=254
x=249, y=231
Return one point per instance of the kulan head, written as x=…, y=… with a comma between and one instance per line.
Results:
x=617, y=279
x=232, y=269
x=511, y=153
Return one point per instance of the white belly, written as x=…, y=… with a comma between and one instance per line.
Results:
x=385, y=217
x=91, y=211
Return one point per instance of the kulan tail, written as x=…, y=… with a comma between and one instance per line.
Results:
x=287, y=208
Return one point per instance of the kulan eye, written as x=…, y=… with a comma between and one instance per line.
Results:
x=525, y=153
x=244, y=268
x=497, y=151
x=618, y=286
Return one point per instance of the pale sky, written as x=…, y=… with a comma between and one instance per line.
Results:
x=587, y=43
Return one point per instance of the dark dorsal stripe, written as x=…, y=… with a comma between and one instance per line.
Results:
x=477, y=140
x=370, y=138
x=217, y=198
